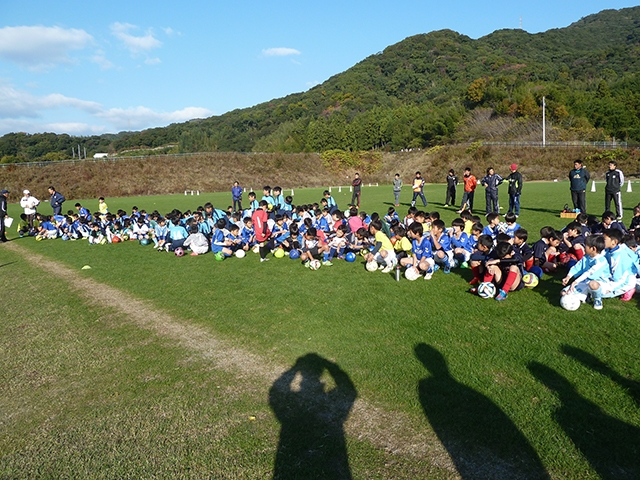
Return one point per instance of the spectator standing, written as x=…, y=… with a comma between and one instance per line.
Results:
x=515, y=189
x=579, y=177
x=614, y=181
x=56, y=200
x=236, y=195
x=418, y=186
x=452, y=186
x=356, y=185
x=397, y=188
x=3, y=214
x=470, y=184
x=30, y=204
x=491, y=181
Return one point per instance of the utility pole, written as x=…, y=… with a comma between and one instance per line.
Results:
x=544, y=123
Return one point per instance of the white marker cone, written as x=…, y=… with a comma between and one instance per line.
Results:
x=629, y=187
x=593, y=186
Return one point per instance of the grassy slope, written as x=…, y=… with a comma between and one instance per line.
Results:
x=367, y=323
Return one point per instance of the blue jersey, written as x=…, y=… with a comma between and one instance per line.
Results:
x=511, y=229
x=462, y=242
x=217, y=241
x=161, y=232
x=491, y=231
x=422, y=249
x=444, y=241
x=177, y=232
x=623, y=266
x=322, y=224
x=590, y=268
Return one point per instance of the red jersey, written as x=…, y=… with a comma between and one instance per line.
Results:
x=260, y=225
x=470, y=183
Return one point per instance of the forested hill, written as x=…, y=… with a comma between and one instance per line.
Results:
x=429, y=89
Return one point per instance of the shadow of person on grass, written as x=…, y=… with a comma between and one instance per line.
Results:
x=312, y=401
x=481, y=439
x=632, y=387
x=611, y=446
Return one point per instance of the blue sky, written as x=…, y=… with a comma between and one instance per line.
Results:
x=88, y=68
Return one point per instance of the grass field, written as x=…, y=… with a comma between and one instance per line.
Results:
x=148, y=365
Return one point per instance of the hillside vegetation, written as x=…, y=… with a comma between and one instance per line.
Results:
x=431, y=89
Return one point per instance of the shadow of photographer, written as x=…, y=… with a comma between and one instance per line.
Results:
x=312, y=400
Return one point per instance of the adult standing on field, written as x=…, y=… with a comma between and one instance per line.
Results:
x=418, y=186
x=356, y=185
x=29, y=203
x=470, y=183
x=579, y=178
x=515, y=189
x=236, y=195
x=3, y=214
x=491, y=181
x=614, y=181
x=397, y=188
x=56, y=200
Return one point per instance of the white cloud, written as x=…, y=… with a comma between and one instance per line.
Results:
x=102, y=61
x=21, y=111
x=280, y=52
x=134, y=44
x=40, y=48
x=170, y=31
x=152, y=61
x=142, y=117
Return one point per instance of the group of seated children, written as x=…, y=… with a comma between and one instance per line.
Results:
x=600, y=257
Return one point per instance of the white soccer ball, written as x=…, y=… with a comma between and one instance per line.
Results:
x=314, y=264
x=503, y=227
x=372, y=266
x=240, y=253
x=570, y=302
x=411, y=274
x=487, y=290
x=256, y=249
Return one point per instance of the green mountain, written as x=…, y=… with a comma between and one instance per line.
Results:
x=423, y=91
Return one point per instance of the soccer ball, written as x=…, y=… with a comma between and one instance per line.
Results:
x=240, y=253
x=294, y=254
x=350, y=257
x=38, y=238
x=219, y=256
x=115, y=239
x=570, y=302
x=144, y=241
x=530, y=280
x=256, y=249
x=503, y=227
x=411, y=274
x=364, y=252
x=279, y=253
x=125, y=237
x=371, y=266
x=487, y=290
x=314, y=264
x=103, y=241
x=179, y=252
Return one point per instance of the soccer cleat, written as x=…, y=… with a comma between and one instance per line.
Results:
x=306, y=263
x=597, y=304
x=445, y=205
x=327, y=263
x=387, y=269
x=502, y=295
x=473, y=290
x=166, y=248
x=464, y=265
x=628, y=295
x=381, y=267
x=264, y=260
x=446, y=270
x=428, y=275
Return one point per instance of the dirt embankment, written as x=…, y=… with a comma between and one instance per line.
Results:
x=210, y=172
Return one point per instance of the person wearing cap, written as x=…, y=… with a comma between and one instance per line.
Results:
x=29, y=203
x=515, y=189
x=3, y=213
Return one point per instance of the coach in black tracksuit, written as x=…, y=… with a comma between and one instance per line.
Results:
x=579, y=177
x=615, y=180
x=3, y=214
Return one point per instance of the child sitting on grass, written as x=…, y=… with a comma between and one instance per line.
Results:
x=383, y=251
x=505, y=271
x=196, y=241
x=422, y=256
x=592, y=266
x=441, y=246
